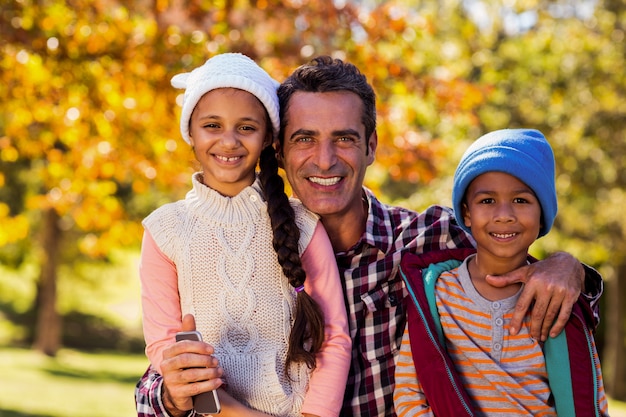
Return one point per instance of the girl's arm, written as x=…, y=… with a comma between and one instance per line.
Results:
x=328, y=381
x=159, y=300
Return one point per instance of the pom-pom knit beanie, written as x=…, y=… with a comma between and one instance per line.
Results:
x=230, y=70
x=523, y=153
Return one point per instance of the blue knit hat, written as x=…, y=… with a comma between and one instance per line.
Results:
x=523, y=153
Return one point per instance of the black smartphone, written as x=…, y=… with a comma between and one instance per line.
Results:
x=207, y=402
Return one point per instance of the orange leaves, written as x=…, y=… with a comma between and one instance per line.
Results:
x=8, y=153
x=89, y=111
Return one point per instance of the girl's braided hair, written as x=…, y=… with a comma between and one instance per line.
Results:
x=309, y=319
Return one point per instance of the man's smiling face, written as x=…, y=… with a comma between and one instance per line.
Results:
x=325, y=152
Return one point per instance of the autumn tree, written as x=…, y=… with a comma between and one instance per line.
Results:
x=89, y=140
x=83, y=126
x=558, y=67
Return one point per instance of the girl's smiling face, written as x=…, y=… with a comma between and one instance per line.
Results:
x=228, y=130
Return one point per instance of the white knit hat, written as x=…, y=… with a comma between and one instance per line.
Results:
x=231, y=70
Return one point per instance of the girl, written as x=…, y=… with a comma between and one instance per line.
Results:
x=255, y=269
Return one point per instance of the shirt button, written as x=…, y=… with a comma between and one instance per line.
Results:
x=392, y=299
x=253, y=198
x=497, y=346
x=499, y=321
x=496, y=305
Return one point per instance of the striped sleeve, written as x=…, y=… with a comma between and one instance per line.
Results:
x=408, y=398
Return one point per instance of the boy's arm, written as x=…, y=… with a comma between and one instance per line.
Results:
x=408, y=397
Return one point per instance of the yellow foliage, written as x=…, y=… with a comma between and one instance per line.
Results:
x=12, y=228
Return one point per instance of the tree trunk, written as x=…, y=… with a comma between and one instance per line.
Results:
x=613, y=370
x=48, y=326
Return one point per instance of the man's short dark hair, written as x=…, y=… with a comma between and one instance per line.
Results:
x=325, y=74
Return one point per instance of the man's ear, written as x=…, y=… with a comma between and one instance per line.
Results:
x=372, y=144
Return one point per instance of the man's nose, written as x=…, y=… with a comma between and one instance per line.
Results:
x=326, y=156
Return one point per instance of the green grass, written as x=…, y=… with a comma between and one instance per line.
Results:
x=74, y=384
x=617, y=408
x=78, y=384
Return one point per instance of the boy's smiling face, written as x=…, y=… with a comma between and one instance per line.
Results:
x=504, y=216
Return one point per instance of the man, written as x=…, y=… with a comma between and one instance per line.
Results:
x=326, y=142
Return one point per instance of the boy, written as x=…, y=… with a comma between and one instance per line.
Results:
x=457, y=356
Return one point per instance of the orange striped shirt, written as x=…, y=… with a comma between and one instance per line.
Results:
x=504, y=375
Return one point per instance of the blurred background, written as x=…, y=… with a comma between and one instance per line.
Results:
x=89, y=145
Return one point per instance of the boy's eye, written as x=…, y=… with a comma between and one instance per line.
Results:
x=486, y=201
x=520, y=200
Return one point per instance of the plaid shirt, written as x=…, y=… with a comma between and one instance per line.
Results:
x=375, y=292
x=374, y=295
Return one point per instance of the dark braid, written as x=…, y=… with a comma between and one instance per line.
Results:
x=309, y=319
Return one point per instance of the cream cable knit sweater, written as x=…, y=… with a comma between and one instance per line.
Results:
x=230, y=280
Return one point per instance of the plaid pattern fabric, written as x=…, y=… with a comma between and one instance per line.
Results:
x=148, y=396
x=375, y=294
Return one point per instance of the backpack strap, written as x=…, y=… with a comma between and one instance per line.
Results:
x=559, y=374
x=438, y=376
x=430, y=276
x=571, y=366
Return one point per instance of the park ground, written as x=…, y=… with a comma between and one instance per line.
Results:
x=75, y=384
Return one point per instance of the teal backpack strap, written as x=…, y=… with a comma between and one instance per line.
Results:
x=556, y=353
x=430, y=276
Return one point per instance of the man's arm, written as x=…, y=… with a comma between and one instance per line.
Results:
x=148, y=399
x=553, y=285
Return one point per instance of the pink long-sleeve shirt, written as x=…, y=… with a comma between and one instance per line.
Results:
x=162, y=317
